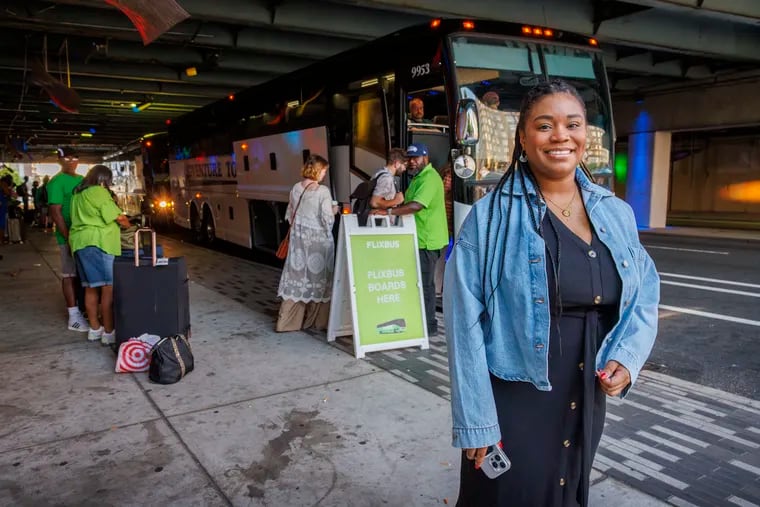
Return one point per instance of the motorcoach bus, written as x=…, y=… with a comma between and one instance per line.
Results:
x=233, y=162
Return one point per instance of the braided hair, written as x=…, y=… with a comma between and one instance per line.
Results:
x=493, y=267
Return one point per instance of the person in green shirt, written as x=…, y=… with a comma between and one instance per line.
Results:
x=95, y=240
x=59, y=190
x=424, y=199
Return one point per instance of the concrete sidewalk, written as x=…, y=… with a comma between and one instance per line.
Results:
x=265, y=418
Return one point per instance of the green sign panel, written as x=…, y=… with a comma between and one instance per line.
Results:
x=388, y=305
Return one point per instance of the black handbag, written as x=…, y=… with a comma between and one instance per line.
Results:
x=171, y=359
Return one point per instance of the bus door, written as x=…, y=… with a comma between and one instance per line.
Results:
x=433, y=129
x=360, y=137
x=425, y=105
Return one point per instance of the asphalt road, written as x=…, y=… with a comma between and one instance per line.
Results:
x=710, y=312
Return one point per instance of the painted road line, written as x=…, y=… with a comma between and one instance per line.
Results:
x=711, y=315
x=714, y=289
x=713, y=252
x=715, y=280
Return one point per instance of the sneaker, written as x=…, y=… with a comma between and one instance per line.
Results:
x=78, y=323
x=108, y=338
x=95, y=335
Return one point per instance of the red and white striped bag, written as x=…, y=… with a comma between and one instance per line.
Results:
x=134, y=354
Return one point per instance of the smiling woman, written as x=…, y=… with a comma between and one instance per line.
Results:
x=497, y=75
x=534, y=352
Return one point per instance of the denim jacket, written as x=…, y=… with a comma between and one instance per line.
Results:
x=518, y=316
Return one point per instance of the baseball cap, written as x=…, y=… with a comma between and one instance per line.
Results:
x=416, y=150
x=67, y=151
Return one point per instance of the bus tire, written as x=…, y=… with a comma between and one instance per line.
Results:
x=196, y=225
x=209, y=230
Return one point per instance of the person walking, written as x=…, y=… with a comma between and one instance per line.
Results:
x=22, y=190
x=306, y=281
x=6, y=194
x=41, y=196
x=59, y=191
x=550, y=304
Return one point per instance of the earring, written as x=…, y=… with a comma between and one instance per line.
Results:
x=523, y=158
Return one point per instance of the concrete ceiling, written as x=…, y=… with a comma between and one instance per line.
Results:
x=234, y=44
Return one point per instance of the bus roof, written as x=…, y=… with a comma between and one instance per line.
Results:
x=364, y=58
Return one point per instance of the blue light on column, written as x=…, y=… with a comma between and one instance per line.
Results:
x=638, y=185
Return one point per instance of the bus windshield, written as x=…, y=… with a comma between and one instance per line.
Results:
x=497, y=72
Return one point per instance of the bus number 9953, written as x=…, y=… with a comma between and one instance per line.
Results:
x=421, y=70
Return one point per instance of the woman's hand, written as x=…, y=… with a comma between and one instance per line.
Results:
x=479, y=455
x=613, y=378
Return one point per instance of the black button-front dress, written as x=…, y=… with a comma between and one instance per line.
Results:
x=551, y=437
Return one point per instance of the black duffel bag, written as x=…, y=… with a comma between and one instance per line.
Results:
x=171, y=359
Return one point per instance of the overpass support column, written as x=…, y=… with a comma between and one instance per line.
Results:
x=648, y=177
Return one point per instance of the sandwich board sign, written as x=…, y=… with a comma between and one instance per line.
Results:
x=377, y=290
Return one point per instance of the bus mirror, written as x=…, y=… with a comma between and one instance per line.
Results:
x=467, y=130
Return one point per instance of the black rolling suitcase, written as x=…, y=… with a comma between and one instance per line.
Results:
x=150, y=295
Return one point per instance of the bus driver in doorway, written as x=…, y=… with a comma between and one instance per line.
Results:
x=550, y=304
x=417, y=111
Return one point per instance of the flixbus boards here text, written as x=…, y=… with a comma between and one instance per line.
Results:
x=384, y=282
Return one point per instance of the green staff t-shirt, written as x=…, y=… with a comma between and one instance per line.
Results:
x=427, y=189
x=93, y=221
x=59, y=190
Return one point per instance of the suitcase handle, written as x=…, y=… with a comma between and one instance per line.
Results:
x=154, y=258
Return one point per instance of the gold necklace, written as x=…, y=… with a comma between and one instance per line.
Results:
x=567, y=210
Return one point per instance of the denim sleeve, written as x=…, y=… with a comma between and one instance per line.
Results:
x=475, y=422
x=634, y=348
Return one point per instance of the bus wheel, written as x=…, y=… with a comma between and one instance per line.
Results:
x=209, y=231
x=196, y=225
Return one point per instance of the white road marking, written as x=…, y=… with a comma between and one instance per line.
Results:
x=715, y=280
x=744, y=466
x=711, y=315
x=714, y=289
x=713, y=252
x=740, y=501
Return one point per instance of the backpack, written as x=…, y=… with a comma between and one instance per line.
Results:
x=361, y=197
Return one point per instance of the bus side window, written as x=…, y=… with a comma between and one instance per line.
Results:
x=370, y=144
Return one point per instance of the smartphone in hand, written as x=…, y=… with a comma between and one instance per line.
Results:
x=496, y=462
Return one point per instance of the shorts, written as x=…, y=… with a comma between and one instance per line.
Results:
x=68, y=267
x=95, y=267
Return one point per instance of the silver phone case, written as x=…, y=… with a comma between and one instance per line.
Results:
x=495, y=463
